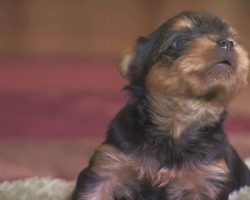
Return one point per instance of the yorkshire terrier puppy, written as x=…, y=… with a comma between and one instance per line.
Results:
x=168, y=142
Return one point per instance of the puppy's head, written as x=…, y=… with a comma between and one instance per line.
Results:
x=193, y=55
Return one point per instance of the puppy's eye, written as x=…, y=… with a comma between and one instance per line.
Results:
x=180, y=42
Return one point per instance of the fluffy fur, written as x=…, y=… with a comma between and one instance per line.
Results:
x=168, y=142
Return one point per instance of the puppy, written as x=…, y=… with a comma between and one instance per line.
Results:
x=168, y=142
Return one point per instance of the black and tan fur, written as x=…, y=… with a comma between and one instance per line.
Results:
x=168, y=142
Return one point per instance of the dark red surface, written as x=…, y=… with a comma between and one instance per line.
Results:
x=58, y=98
x=62, y=98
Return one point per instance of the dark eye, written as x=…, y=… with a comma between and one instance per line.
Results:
x=180, y=42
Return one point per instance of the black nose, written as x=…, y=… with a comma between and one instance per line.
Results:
x=225, y=44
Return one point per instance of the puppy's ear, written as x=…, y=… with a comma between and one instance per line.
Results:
x=132, y=63
x=125, y=63
x=135, y=62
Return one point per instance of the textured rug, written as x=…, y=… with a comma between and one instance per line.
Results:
x=57, y=189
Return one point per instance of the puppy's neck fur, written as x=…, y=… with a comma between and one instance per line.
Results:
x=175, y=115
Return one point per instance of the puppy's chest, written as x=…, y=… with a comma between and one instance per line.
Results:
x=192, y=183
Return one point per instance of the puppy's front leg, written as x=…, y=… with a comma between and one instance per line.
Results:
x=109, y=176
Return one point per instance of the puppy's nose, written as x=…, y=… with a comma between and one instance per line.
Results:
x=225, y=44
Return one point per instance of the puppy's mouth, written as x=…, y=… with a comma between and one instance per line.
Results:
x=222, y=67
x=224, y=64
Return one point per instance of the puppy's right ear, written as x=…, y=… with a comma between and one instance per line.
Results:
x=135, y=61
x=125, y=64
x=131, y=64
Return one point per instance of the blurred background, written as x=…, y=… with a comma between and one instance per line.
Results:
x=59, y=87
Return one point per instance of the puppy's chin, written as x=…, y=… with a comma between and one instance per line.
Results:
x=219, y=82
x=220, y=72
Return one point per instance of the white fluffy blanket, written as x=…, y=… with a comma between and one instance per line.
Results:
x=56, y=189
x=36, y=188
